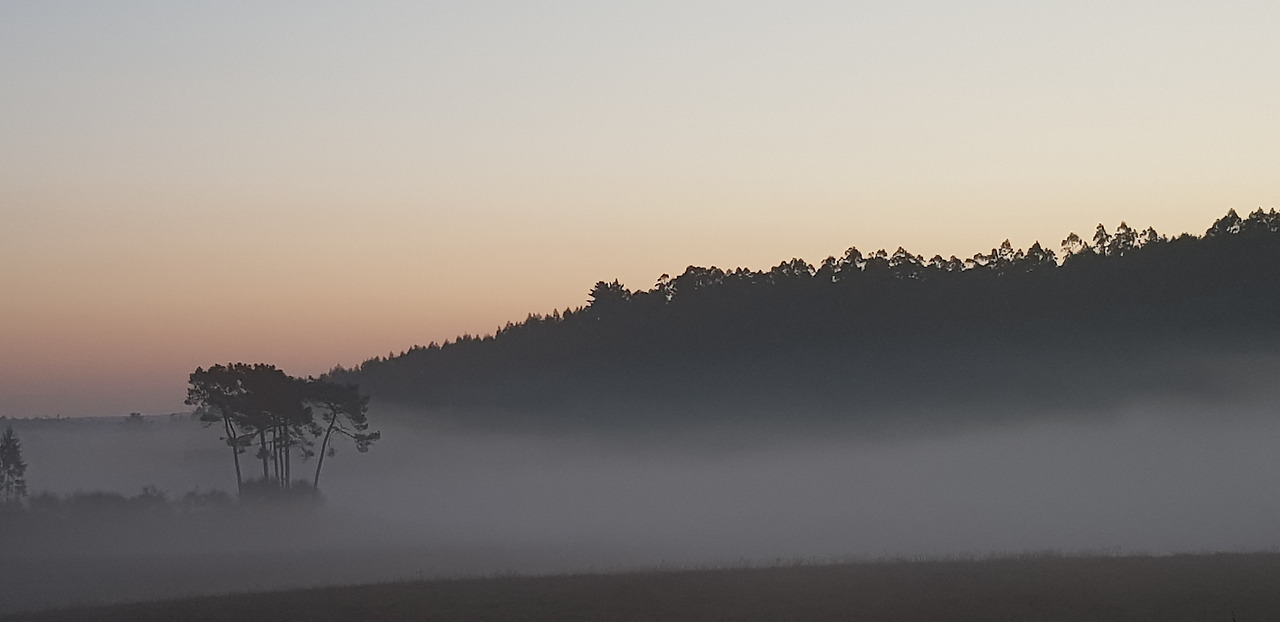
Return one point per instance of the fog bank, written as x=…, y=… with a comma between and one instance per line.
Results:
x=1154, y=478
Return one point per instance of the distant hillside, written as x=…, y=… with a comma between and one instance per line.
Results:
x=1111, y=318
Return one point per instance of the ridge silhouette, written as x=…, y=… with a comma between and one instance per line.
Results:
x=1122, y=316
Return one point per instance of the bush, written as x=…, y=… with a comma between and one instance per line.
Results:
x=269, y=492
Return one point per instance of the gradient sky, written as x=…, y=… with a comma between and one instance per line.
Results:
x=315, y=183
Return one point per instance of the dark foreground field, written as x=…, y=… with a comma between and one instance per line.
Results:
x=1240, y=587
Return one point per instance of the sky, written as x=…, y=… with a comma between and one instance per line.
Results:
x=316, y=183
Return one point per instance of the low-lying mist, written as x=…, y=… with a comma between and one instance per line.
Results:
x=431, y=501
x=1155, y=479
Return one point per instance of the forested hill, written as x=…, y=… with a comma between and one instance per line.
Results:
x=1111, y=318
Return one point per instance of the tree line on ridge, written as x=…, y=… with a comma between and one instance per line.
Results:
x=1103, y=319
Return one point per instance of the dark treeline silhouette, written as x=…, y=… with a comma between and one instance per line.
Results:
x=1110, y=318
x=46, y=507
x=49, y=520
x=107, y=525
x=48, y=510
x=260, y=404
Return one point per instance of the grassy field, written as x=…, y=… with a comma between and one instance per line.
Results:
x=1240, y=587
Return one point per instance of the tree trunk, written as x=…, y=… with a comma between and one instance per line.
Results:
x=315, y=485
x=262, y=445
x=275, y=454
x=284, y=456
x=234, y=441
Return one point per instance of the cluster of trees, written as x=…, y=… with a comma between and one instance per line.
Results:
x=283, y=416
x=1101, y=315
x=150, y=501
x=92, y=523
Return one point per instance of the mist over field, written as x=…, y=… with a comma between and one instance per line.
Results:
x=438, y=500
x=877, y=406
x=639, y=311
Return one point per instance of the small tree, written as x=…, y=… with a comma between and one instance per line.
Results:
x=607, y=298
x=343, y=410
x=13, y=483
x=1102, y=240
x=1074, y=245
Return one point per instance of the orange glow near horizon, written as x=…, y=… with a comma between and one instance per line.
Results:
x=192, y=186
